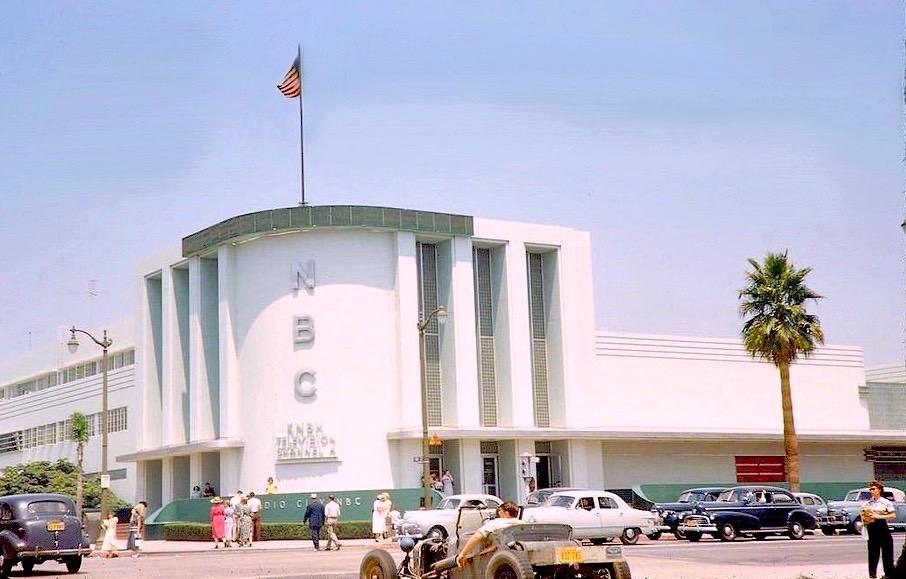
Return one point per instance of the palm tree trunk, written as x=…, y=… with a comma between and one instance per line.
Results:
x=80, y=453
x=790, y=440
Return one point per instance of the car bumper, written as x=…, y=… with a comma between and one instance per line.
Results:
x=697, y=524
x=53, y=553
x=833, y=521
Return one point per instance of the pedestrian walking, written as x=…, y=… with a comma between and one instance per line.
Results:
x=136, y=528
x=229, y=525
x=332, y=514
x=108, y=547
x=875, y=514
x=245, y=523
x=255, y=506
x=217, y=521
x=314, y=516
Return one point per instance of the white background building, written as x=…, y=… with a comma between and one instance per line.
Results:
x=285, y=343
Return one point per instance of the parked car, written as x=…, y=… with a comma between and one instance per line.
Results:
x=441, y=520
x=814, y=504
x=753, y=511
x=537, y=497
x=521, y=551
x=670, y=515
x=35, y=528
x=594, y=515
x=846, y=515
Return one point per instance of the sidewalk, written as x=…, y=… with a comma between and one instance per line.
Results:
x=642, y=567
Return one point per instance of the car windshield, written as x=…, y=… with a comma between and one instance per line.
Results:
x=447, y=504
x=559, y=501
x=858, y=496
x=538, y=497
x=691, y=497
x=48, y=508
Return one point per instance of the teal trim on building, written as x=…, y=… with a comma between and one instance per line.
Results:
x=290, y=507
x=306, y=218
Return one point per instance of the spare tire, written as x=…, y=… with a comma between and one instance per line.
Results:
x=509, y=565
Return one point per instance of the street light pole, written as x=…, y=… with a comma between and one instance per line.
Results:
x=104, y=343
x=441, y=314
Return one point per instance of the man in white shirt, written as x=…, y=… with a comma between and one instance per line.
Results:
x=254, y=505
x=332, y=515
x=506, y=516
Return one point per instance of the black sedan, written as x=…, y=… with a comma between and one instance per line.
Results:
x=35, y=528
x=670, y=515
x=753, y=511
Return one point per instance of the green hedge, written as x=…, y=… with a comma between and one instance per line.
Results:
x=269, y=531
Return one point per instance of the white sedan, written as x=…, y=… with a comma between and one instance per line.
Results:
x=441, y=520
x=594, y=515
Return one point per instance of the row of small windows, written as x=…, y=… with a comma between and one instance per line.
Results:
x=55, y=432
x=67, y=374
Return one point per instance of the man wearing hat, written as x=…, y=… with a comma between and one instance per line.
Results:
x=314, y=516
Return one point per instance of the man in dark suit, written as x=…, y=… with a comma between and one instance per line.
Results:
x=314, y=516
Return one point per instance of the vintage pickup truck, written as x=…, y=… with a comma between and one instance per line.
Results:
x=845, y=515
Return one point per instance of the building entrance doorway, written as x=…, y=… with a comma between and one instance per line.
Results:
x=489, y=475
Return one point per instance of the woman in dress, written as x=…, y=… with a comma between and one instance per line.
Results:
x=245, y=523
x=108, y=547
x=136, y=527
x=229, y=525
x=217, y=521
x=379, y=516
x=447, y=481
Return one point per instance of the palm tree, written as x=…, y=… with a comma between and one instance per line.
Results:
x=777, y=328
x=79, y=433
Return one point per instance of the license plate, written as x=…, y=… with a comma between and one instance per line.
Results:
x=56, y=526
x=692, y=523
x=568, y=555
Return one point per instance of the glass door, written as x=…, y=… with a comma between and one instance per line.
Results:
x=489, y=475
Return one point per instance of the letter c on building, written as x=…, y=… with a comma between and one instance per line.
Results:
x=306, y=384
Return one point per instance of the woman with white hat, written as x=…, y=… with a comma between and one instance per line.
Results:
x=379, y=516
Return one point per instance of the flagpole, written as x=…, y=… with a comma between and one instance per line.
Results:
x=301, y=129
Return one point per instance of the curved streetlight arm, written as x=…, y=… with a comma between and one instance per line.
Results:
x=440, y=313
x=105, y=343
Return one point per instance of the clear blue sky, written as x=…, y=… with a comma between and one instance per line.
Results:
x=685, y=136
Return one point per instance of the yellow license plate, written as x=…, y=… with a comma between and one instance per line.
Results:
x=569, y=555
x=692, y=523
x=56, y=526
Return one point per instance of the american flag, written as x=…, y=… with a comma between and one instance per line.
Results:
x=291, y=86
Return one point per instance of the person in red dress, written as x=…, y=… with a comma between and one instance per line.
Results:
x=217, y=531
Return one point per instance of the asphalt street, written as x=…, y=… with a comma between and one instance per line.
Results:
x=818, y=557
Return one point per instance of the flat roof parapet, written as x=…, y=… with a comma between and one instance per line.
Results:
x=307, y=217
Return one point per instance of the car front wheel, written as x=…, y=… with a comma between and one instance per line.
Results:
x=654, y=536
x=28, y=565
x=7, y=559
x=797, y=531
x=856, y=527
x=727, y=532
x=378, y=564
x=630, y=536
